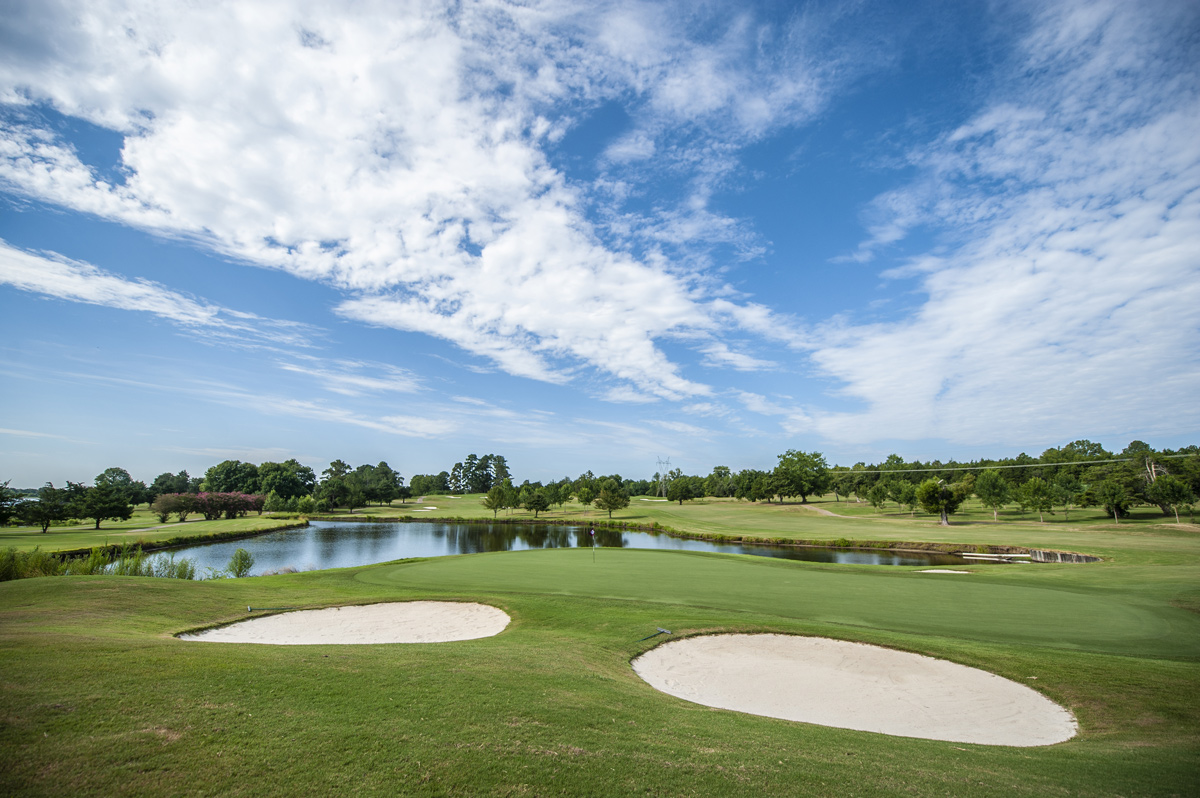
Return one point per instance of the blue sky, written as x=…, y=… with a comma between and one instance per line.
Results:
x=590, y=235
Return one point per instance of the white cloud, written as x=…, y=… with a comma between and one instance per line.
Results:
x=24, y=433
x=52, y=275
x=401, y=425
x=1066, y=297
x=718, y=354
x=347, y=377
x=396, y=154
x=679, y=426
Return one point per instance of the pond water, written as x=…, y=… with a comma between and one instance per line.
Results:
x=332, y=544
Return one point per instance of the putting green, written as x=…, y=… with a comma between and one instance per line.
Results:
x=998, y=607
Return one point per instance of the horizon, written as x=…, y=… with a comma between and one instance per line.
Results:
x=594, y=235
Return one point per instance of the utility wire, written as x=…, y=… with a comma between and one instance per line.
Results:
x=1019, y=465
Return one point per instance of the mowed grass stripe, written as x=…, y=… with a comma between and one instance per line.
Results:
x=971, y=606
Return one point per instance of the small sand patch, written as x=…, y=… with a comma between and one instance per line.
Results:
x=942, y=571
x=854, y=686
x=396, y=622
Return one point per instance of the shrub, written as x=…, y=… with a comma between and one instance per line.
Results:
x=274, y=503
x=96, y=562
x=240, y=563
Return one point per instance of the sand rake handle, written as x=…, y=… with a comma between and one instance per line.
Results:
x=661, y=631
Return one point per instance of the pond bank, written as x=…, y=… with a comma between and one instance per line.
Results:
x=179, y=541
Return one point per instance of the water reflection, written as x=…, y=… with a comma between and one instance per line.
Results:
x=331, y=544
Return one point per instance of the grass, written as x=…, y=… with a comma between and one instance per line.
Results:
x=143, y=528
x=99, y=698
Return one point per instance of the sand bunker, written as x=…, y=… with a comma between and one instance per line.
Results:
x=941, y=571
x=399, y=622
x=854, y=686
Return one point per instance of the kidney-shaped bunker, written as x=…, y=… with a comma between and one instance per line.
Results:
x=854, y=686
x=398, y=622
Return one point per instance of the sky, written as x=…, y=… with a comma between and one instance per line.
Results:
x=593, y=235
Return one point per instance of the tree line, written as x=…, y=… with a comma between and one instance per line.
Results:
x=1079, y=474
x=229, y=489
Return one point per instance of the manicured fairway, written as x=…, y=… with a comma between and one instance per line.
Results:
x=99, y=697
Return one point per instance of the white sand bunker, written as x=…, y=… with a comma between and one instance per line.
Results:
x=854, y=686
x=399, y=622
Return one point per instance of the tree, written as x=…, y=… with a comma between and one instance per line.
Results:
x=8, y=503
x=1066, y=489
x=681, y=489
x=585, y=494
x=181, y=504
x=802, y=474
x=749, y=483
x=938, y=498
x=494, y=500
x=387, y=483
x=878, y=495
x=499, y=469
x=611, y=497
x=719, y=482
x=338, y=468
x=99, y=503
x=1114, y=497
x=992, y=489
x=167, y=482
x=536, y=501
x=289, y=479
x=51, y=506
x=1036, y=494
x=119, y=480
x=1170, y=491
x=231, y=476
x=907, y=495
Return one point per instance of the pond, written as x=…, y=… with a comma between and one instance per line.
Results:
x=332, y=544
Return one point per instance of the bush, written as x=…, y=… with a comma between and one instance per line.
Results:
x=96, y=562
x=274, y=503
x=179, y=504
x=306, y=505
x=240, y=563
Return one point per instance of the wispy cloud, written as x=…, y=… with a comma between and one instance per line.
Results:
x=52, y=275
x=24, y=433
x=1069, y=272
x=354, y=377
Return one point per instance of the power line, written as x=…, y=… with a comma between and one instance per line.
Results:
x=1019, y=465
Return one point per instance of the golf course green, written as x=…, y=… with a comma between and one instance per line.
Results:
x=100, y=697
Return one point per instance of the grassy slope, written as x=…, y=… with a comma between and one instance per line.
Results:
x=98, y=697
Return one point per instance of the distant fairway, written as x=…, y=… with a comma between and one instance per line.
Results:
x=100, y=698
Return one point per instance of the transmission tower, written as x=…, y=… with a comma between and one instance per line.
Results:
x=663, y=467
